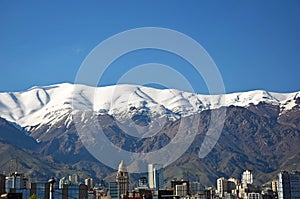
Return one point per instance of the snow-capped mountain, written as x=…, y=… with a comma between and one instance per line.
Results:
x=45, y=105
x=260, y=131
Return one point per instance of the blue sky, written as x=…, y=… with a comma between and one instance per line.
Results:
x=255, y=44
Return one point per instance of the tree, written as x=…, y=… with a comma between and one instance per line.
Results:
x=33, y=196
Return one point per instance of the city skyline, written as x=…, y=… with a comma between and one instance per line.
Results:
x=283, y=186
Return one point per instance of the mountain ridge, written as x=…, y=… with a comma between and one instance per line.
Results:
x=31, y=107
x=262, y=136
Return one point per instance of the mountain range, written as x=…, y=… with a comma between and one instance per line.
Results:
x=39, y=130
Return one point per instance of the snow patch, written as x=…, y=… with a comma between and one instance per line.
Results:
x=48, y=104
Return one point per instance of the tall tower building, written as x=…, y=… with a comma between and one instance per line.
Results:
x=156, y=176
x=16, y=181
x=74, y=179
x=63, y=181
x=89, y=182
x=114, y=190
x=247, y=177
x=222, y=185
x=122, y=179
x=289, y=185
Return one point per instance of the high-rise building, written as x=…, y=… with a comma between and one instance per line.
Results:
x=75, y=191
x=15, y=181
x=2, y=184
x=222, y=185
x=247, y=177
x=226, y=187
x=235, y=181
x=150, y=176
x=122, y=179
x=274, y=185
x=289, y=185
x=143, y=182
x=176, y=182
x=41, y=190
x=156, y=176
x=89, y=182
x=74, y=179
x=114, y=190
x=63, y=181
x=195, y=187
x=181, y=190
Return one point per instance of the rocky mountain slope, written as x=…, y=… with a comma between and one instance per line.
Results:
x=261, y=130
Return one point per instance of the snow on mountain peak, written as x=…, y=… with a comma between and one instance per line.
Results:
x=45, y=104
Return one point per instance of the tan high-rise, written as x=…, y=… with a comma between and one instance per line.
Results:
x=122, y=179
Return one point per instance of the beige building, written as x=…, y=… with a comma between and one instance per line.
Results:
x=122, y=179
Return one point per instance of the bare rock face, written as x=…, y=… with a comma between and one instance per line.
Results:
x=261, y=136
